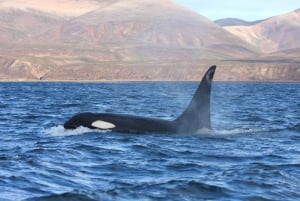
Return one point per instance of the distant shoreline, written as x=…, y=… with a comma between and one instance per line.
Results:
x=146, y=81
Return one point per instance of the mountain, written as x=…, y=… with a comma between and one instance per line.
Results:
x=117, y=40
x=273, y=34
x=235, y=22
x=135, y=23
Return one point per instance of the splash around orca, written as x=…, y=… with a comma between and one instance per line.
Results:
x=194, y=119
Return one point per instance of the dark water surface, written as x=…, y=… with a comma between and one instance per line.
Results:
x=254, y=154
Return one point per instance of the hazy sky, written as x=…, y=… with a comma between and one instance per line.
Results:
x=244, y=9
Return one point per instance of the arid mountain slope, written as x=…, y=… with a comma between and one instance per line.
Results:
x=135, y=23
x=123, y=40
x=151, y=23
x=21, y=26
x=273, y=34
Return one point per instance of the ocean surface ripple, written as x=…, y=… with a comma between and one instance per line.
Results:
x=253, y=154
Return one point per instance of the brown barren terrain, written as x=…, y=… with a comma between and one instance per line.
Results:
x=140, y=40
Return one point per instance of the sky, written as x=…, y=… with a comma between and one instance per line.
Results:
x=249, y=10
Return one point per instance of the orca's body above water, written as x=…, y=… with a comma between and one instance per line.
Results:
x=194, y=119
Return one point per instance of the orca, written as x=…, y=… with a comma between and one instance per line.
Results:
x=194, y=119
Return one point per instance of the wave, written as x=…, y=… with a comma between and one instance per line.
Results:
x=61, y=131
x=187, y=190
x=296, y=127
x=64, y=196
x=237, y=131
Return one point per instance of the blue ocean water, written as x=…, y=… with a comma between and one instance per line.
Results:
x=254, y=153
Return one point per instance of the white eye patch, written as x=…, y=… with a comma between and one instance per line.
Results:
x=103, y=124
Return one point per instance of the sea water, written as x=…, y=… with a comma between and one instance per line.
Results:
x=253, y=153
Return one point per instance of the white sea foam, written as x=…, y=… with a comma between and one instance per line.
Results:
x=61, y=131
x=240, y=131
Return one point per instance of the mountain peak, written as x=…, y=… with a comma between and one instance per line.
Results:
x=235, y=22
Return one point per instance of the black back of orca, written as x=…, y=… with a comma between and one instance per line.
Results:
x=192, y=120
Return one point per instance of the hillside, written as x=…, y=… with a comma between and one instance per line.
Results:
x=149, y=23
x=273, y=34
x=113, y=40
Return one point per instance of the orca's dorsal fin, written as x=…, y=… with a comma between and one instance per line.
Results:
x=197, y=114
